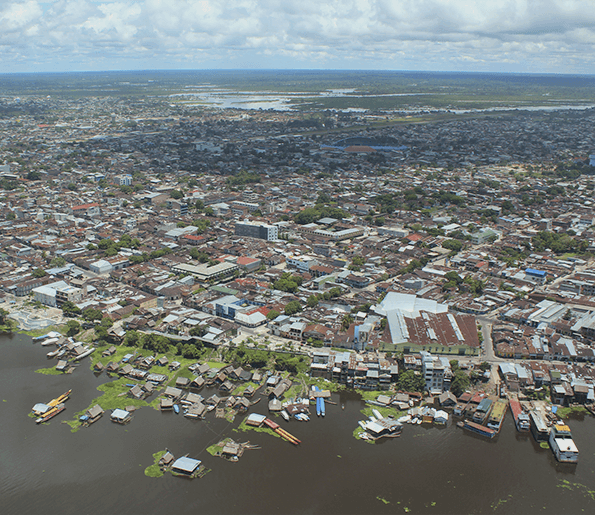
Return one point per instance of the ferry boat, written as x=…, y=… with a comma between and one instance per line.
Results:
x=481, y=412
x=521, y=419
x=562, y=444
x=539, y=427
x=497, y=415
x=479, y=429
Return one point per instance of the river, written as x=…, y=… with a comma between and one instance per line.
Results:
x=100, y=469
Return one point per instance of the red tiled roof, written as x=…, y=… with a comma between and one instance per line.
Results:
x=85, y=206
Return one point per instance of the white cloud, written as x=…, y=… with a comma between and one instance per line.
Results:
x=432, y=34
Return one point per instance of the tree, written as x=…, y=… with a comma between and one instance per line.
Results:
x=176, y=194
x=346, y=322
x=312, y=301
x=74, y=328
x=58, y=261
x=293, y=307
x=3, y=316
x=459, y=383
x=409, y=381
x=91, y=314
x=199, y=330
x=272, y=314
x=38, y=273
x=70, y=309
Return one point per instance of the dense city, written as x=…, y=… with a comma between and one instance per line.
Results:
x=440, y=268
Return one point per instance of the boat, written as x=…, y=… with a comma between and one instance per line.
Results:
x=62, y=398
x=318, y=399
x=51, y=334
x=51, y=413
x=322, y=407
x=479, y=429
x=497, y=414
x=539, y=427
x=88, y=352
x=521, y=419
x=342, y=406
x=176, y=409
x=50, y=341
x=52, y=353
x=562, y=444
x=285, y=415
x=377, y=414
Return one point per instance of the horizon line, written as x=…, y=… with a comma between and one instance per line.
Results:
x=321, y=70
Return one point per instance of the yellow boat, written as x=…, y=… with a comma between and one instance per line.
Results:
x=64, y=397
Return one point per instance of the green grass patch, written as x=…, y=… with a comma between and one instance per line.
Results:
x=243, y=427
x=216, y=364
x=385, y=412
x=572, y=410
x=372, y=395
x=40, y=332
x=50, y=371
x=239, y=390
x=154, y=470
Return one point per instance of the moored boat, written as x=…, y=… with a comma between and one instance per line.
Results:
x=521, y=419
x=479, y=429
x=51, y=413
x=497, y=415
x=562, y=444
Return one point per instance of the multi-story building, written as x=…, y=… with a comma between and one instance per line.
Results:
x=260, y=231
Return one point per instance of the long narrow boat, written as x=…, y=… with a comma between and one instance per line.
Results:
x=322, y=408
x=63, y=398
x=50, y=341
x=479, y=429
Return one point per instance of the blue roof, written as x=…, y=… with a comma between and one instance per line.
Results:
x=539, y=273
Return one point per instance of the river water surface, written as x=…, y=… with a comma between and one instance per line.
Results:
x=100, y=469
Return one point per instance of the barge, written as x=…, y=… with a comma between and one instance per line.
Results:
x=497, y=415
x=562, y=444
x=478, y=428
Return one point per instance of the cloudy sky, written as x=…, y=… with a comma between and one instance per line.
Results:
x=468, y=35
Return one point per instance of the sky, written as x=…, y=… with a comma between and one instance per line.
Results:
x=536, y=36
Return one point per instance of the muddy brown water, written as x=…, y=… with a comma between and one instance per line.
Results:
x=100, y=469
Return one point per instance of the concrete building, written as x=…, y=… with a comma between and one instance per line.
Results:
x=260, y=231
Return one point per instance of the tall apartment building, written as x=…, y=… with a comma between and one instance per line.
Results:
x=260, y=231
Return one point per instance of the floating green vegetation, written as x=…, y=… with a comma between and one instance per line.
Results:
x=572, y=410
x=31, y=415
x=357, y=432
x=75, y=424
x=154, y=470
x=500, y=502
x=40, y=332
x=577, y=487
x=245, y=427
x=382, y=499
x=50, y=371
x=544, y=445
x=215, y=450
